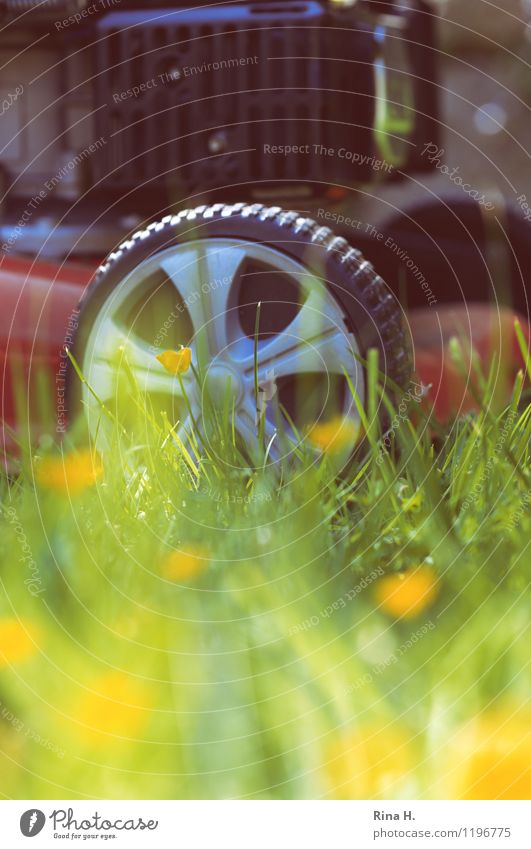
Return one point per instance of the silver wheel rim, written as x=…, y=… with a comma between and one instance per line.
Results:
x=205, y=277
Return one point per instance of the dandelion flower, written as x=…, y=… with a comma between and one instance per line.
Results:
x=369, y=763
x=406, y=594
x=335, y=435
x=17, y=641
x=176, y=362
x=185, y=564
x=117, y=706
x=71, y=473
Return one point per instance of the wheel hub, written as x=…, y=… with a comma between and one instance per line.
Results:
x=221, y=384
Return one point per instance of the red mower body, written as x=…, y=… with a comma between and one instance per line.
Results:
x=38, y=314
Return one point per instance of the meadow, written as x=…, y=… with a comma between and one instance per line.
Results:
x=192, y=621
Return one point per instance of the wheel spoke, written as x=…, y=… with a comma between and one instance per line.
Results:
x=119, y=354
x=183, y=270
x=204, y=276
x=314, y=342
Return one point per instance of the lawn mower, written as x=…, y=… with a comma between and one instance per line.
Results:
x=239, y=130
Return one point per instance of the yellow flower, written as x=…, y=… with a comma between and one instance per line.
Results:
x=117, y=706
x=185, y=564
x=334, y=435
x=17, y=641
x=176, y=362
x=490, y=757
x=72, y=473
x=406, y=594
x=371, y=762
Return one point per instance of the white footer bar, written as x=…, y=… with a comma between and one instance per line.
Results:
x=266, y=824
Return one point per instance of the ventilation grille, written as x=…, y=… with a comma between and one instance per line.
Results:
x=194, y=98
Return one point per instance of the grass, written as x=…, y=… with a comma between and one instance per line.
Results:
x=175, y=627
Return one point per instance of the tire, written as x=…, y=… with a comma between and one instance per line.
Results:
x=354, y=297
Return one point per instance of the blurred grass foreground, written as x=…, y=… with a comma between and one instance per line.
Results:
x=187, y=624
